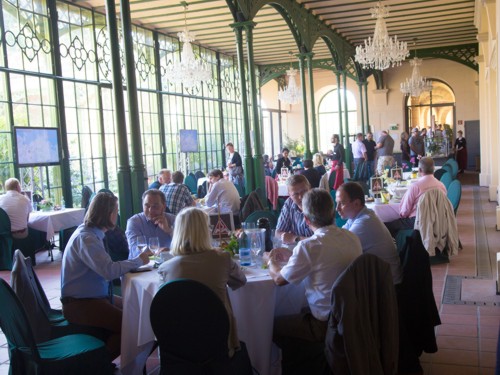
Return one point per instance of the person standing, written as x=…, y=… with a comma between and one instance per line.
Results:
x=87, y=270
x=370, y=152
x=17, y=207
x=235, y=166
x=417, y=147
x=359, y=151
x=385, y=152
x=461, y=152
x=337, y=156
x=405, y=148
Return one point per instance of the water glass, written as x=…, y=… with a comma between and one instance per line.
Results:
x=142, y=244
x=276, y=239
x=154, y=246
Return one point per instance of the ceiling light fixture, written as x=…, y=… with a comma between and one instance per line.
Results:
x=188, y=70
x=417, y=84
x=291, y=94
x=382, y=51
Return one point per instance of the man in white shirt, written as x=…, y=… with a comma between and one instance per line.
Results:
x=358, y=150
x=17, y=207
x=224, y=193
x=317, y=261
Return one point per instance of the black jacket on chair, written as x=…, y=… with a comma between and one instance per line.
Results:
x=417, y=307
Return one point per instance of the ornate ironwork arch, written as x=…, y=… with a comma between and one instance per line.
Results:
x=464, y=54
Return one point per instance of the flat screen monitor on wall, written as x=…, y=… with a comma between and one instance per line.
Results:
x=188, y=140
x=37, y=146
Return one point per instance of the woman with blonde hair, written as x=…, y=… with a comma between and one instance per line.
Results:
x=318, y=164
x=195, y=259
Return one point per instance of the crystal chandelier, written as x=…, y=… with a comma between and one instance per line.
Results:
x=188, y=70
x=382, y=51
x=291, y=94
x=417, y=84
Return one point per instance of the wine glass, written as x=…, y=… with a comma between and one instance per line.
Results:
x=255, y=242
x=154, y=246
x=142, y=244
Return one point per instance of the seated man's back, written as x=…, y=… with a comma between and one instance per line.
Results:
x=17, y=207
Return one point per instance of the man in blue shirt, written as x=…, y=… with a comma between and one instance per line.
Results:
x=371, y=231
x=152, y=222
x=292, y=226
x=164, y=177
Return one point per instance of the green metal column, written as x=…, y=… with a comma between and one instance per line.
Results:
x=366, y=106
x=302, y=57
x=363, y=125
x=138, y=176
x=247, y=152
x=347, y=143
x=313, y=105
x=159, y=101
x=124, y=182
x=65, y=169
x=339, y=96
x=258, y=160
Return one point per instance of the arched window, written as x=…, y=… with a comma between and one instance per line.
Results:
x=328, y=116
x=431, y=108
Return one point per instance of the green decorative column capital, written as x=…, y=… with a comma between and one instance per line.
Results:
x=247, y=25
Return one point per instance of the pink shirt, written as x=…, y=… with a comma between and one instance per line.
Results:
x=408, y=206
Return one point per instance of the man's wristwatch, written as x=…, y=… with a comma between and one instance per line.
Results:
x=296, y=239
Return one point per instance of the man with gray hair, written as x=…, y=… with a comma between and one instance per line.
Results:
x=17, y=207
x=316, y=261
x=408, y=208
x=164, y=177
x=292, y=226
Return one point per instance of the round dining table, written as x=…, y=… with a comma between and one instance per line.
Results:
x=254, y=306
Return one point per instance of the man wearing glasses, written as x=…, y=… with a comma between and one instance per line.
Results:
x=292, y=226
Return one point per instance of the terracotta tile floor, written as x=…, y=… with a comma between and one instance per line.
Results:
x=468, y=335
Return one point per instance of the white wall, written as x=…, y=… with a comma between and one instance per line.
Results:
x=386, y=107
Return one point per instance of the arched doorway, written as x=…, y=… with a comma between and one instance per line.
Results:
x=435, y=111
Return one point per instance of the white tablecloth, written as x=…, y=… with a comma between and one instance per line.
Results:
x=283, y=190
x=385, y=212
x=254, y=306
x=54, y=221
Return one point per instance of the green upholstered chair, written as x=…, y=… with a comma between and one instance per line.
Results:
x=28, y=245
x=5, y=242
x=256, y=215
x=446, y=179
x=191, y=342
x=454, y=194
x=448, y=168
x=70, y=354
x=191, y=182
